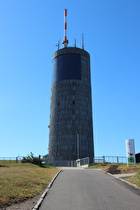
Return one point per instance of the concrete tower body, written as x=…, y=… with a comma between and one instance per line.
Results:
x=71, y=127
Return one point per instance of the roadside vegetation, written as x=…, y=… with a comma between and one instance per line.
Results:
x=21, y=181
x=96, y=165
x=134, y=179
x=116, y=168
x=34, y=160
x=121, y=169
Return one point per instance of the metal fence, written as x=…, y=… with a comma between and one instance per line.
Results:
x=84, y=162
x=110, y=159
x=70, y=163
x=4, y=160
x=9, y=160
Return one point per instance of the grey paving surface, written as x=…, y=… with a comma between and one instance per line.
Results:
x=90, y=190
x=124, y=175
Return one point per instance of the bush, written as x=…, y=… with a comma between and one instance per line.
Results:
x=34, y=160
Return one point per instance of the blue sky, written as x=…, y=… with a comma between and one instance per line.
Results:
x=29, y=31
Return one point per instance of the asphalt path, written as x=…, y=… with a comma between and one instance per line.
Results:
x=90, y=190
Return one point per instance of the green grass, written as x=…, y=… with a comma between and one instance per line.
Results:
x=7, y=162
x=19, y=182
x=97, y=165
x=134, y=179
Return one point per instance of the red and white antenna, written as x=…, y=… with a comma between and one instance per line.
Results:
x=65, y=42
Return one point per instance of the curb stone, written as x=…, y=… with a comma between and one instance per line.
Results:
x=36, y=207
x=133, y=185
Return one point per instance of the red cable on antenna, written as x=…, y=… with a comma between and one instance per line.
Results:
x=65, y=42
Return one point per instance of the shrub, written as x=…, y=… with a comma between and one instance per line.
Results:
x=34, y=160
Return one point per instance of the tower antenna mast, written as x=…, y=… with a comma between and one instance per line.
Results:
x=65, y=42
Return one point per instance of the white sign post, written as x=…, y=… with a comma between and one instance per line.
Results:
x=130, y=150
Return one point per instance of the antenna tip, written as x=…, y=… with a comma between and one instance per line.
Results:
x=65, y=42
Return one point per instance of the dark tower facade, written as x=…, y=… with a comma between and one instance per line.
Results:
x=71, y=126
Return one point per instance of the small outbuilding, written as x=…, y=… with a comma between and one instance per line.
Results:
x=137, y=156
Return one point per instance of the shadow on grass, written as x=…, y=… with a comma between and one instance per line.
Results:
x=3, y=165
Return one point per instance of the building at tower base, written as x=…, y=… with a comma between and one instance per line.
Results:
x=71, y=126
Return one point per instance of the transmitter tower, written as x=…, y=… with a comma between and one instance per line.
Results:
x=71, y=126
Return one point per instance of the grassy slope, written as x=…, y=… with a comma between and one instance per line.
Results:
x=134, y=179
x=121, y=168
x=19, y=182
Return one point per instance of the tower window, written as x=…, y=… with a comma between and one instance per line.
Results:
x=57, y=133
x=73, y=132
x=59, y=85
x=57, y=122
x=58, y=94
x=73, y=93
x=58, y=143
x=58, y=113
x=73, y=153
x=57, y=154
x=73, y=102
x=73, y=122
x=73, y=84
x=73, y=112
x=58, y=103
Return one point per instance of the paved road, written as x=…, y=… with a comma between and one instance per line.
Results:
x=90, y=190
